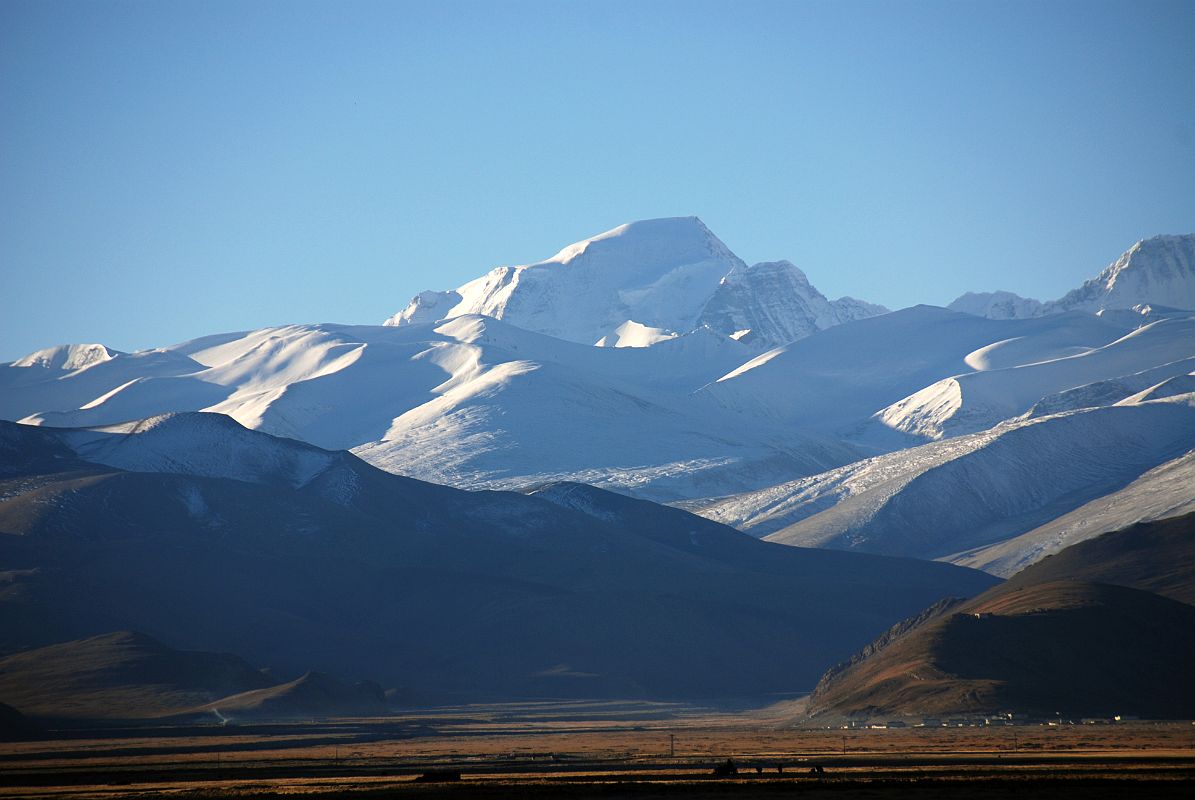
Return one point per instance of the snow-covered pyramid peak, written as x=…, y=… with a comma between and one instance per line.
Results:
x=650, y=245
x=657, y=273
x=1159, y=271
x=67, y=356
x=642, y=283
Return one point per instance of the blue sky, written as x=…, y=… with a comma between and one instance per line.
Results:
x=172, y=169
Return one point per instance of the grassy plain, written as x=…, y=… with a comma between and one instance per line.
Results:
x=601, y=750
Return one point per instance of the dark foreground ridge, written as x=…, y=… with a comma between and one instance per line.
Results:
x=1082, y=634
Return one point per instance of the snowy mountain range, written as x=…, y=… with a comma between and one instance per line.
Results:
x=737, y=391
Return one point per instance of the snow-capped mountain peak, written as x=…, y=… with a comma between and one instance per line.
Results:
x=649, y=244
x=655, y=272
x=1156, y=273
x=642, y=283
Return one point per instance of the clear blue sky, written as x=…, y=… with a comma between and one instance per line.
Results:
x=170, y=169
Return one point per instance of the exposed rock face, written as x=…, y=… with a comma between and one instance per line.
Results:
x=773, y=303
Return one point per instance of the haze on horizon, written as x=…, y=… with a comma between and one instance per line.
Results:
x=173, y=170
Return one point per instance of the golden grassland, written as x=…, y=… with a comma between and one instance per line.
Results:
x=606, y=750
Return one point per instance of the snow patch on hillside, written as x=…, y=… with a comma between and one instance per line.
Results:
x=206, y=445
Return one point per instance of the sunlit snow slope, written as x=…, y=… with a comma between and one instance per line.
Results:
x=472, y=402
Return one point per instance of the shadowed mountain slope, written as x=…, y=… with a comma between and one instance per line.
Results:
x=343, y=568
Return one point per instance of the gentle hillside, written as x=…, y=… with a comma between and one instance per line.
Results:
x=120, y=676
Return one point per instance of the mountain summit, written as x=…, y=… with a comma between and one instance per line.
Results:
x=643, y=282
x=1159, y=271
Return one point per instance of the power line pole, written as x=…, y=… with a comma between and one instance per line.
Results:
x=672, y=745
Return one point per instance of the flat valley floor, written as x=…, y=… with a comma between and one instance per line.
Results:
x=601, y=750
